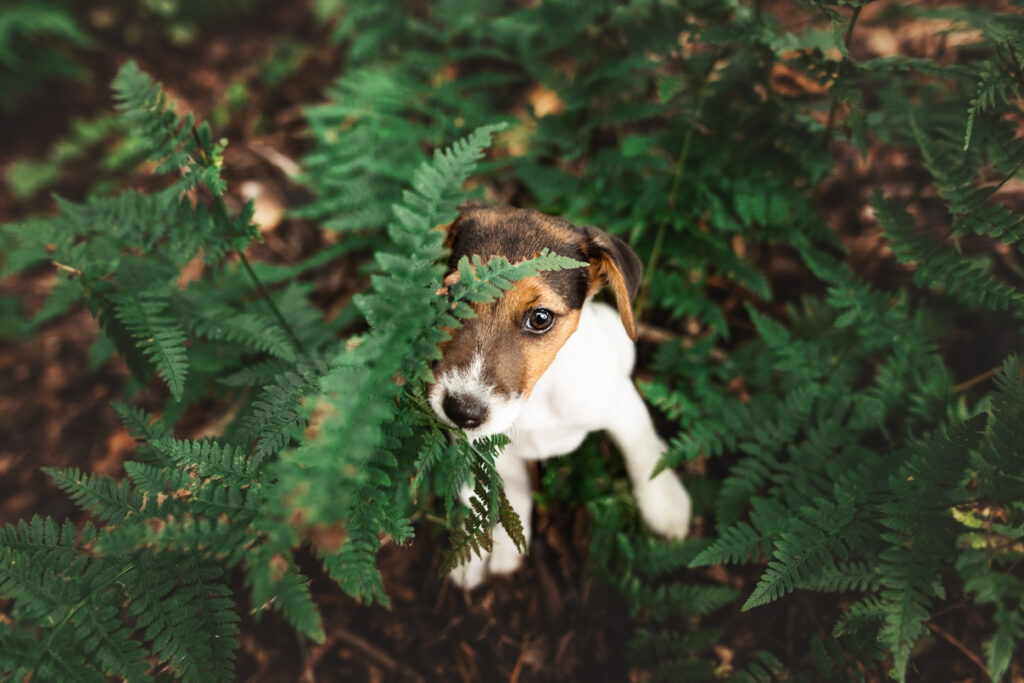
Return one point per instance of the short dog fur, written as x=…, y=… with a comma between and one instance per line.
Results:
x=545, y=365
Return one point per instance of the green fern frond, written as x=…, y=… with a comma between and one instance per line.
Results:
x=220, y=322
x=278, y=411
x=354, y=567
x=995, y=85
x=275, y=581
x=43, y=541
x=209, y=458
x=39, y=594
x=999, y=649
x=764, y=668
x=140, y=424
x=693, y=599
x=483, y=282
x=183, y=606
x=159, y=335
x=104, y=497
x=937, y=267
x=82, y=607
x=98, y=628
x=796, y=558
x=738, y=544
x=176, y=144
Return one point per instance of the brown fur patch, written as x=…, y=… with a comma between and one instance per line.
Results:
x=515, y=358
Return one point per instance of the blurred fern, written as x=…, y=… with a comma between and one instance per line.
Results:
x=37, y=40
x=188, y=511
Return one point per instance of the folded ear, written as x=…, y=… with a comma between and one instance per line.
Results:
x=613, y=263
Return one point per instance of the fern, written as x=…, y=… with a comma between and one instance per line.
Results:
x=33, y=49
x=109, y=500
x=487, y=505
x=209, y=459
x=841, y=455
x=172, y=608
x=162, y=340
x=175, y=144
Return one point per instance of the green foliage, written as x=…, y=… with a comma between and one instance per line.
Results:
x=674, y=641
x=707, y=167
x=851, y=464
x=28, y=177
x=35, y=41
x=189, y=511
x=176, y=145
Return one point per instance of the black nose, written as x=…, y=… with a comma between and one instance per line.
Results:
x=464, y=410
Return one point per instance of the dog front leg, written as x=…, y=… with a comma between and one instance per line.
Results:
x=663, y=501
x=505, y=558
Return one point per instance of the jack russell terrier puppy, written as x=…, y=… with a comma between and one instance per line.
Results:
x=545, y=365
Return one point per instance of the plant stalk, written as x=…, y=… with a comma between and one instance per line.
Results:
x=834, y=108
x=270, y=302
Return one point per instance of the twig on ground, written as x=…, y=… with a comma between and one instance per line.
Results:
x=949, y=638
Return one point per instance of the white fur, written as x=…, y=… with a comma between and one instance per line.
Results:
x=469, y=381
x=586, y=388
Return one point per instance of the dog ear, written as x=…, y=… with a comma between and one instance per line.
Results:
x=473, y=204
x=613, y=263
x=450, y=229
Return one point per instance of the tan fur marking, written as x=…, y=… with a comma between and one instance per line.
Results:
x=537, y=350
x=603, y=271
x=541, y=352
x=516, y=358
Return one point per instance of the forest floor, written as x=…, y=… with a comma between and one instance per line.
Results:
x=550, y=621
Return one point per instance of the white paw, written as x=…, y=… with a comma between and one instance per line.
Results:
x=665, y=505
x=503, y=559
x=470, y=575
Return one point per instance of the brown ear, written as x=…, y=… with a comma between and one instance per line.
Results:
x=451, y=229
x=613, y=263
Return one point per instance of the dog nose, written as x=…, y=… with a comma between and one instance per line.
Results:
x=464, y=411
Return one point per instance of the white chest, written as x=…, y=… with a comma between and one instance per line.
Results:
x=577, y=393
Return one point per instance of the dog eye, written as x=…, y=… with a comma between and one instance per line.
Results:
x=539, y=320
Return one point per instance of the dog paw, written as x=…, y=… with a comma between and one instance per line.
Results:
x=665, y=505
x=471, y=574
x=503, y=559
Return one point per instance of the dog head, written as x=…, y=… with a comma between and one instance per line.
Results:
x=491, y=363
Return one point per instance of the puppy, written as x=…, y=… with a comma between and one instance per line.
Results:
x=545, y=365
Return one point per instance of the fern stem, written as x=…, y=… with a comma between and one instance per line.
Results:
x=68, y=269
x=834, y=108
x=949, y=638
x=645, y=289
x=978, y=379
x=677, y=179
x=270, y=302
x=1008, y=177
x=684, y=152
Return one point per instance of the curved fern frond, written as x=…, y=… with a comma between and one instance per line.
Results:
x=175, y=144
x=159, y=335
x=209, y=458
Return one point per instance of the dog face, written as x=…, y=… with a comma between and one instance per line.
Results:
x=491, y=363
